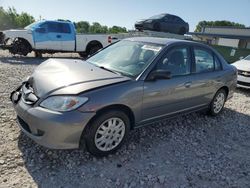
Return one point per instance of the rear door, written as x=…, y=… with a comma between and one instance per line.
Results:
x=207, y=75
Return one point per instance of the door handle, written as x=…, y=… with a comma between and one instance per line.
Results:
x=58, y=36
x=188, y=84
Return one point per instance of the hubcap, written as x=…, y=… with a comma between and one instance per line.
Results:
x=109, y=134
x=219, y=102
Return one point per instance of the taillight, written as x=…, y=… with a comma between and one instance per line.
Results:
x=110, y=39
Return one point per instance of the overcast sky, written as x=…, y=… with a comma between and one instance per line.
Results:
x=126, y=12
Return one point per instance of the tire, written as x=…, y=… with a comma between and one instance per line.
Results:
x=100, y=136
x=38, y=54
x=94, y=49
x=218, y=102
x=20, y=47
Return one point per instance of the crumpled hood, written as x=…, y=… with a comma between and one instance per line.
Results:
x=243, y=65
x=65, y=76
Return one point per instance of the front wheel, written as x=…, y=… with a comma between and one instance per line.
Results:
x=107, y=133
x=218, y=102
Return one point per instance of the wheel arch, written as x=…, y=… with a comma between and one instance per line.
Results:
x=225, y=88
x=92, y=44
x=24, y=40
x=119, y=107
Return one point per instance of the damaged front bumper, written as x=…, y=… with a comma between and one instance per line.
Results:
x=3, y=45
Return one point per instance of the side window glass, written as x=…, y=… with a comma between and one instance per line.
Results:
x=217, y=63
x=177, y=61
x=64, y=28
x=204, y=61
x=53, y=27
x=166, y=19
x=44, y=25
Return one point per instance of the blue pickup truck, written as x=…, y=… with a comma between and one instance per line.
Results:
x=50, y=37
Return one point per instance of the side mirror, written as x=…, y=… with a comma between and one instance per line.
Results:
x=159, y=75
x=40, y=30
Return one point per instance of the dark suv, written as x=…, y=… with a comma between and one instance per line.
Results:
x=165, y=23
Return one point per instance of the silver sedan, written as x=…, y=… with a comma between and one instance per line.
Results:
x=132, y=83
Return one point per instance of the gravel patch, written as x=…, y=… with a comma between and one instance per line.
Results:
x=193, y=150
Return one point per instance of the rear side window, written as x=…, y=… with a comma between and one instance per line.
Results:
x=54, y=27
x=64, y=28
x=217, y=63
x=204, y=60
x=177, y=61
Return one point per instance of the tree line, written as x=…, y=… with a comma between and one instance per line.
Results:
x=204, y=23
x=10, y=19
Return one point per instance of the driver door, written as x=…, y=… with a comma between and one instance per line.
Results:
x=164, y=97
x=50, y=39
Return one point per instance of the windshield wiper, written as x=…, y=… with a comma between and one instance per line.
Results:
x=104, y=68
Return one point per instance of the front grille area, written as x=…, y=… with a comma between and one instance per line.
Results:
x=28, y=94
x=23, y=124
x=244, y=73
x=243, y=83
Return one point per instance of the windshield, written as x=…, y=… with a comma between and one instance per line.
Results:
x=32, y=25
x=247, y=58
x=158, y=16
x=128, y=58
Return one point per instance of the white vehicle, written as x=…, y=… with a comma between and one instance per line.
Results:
x=50, y=37
x=243, y=67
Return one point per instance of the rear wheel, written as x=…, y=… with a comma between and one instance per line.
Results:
x=182, y=31
x=38, y=54
x=94, y=49
x=218, y=102
x=107, y=132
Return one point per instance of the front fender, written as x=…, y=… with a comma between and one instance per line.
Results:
x=24, y=34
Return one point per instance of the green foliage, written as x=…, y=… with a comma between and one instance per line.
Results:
x=85, y=27
x=217, y=23
x=10, y=19
x=117, y=29
x=82, y=27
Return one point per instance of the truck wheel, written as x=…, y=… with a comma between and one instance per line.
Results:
x=94, y=49
x=84, y=55
x=107, y=132
x=38, y=54
x=20, y=47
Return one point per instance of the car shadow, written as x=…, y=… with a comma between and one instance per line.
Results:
x=175, y=140
x=31, y=60
x=17, y=60
x=244, y=91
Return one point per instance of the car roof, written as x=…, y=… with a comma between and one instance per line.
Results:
x=157, y=40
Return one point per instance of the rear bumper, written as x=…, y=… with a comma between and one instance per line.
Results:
x=56, y=130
